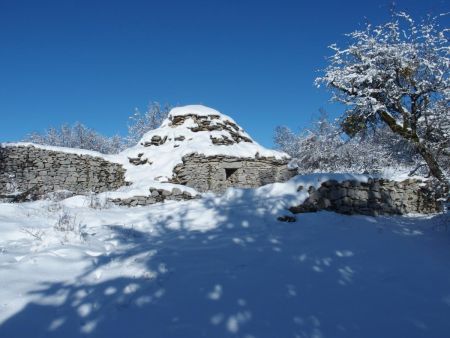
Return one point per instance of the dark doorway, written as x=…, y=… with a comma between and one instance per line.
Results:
x=229, y=172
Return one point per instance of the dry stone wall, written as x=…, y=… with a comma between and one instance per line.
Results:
x=24, y=168
x=217, y=173
x=155, y=196
x=376, y=197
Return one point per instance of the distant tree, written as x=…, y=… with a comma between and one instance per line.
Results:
x=141, y=123
x=82, y=137
x=77, y=136
x=397, y=75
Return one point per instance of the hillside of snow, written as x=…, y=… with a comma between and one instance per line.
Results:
x=221, y=266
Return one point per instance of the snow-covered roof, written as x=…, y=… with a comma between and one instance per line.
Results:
x=199, y=110
x=187, y=130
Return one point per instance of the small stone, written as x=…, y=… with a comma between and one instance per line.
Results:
x=177, y=191
x=287, y=218
x=166, y=193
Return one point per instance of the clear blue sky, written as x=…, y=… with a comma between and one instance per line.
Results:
x=94, y=61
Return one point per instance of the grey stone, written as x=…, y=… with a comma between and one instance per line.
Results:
x=166, y=192
x=217, y=173
x=53, y=170
x=377, y=197
x=176, y=191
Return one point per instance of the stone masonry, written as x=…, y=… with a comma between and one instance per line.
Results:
x=213, y=123
x=376, y=197
x=24, y=168
x=217, y=173
x=155, y=196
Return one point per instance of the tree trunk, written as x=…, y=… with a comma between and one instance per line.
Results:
x=433, y=165
x=428, y=157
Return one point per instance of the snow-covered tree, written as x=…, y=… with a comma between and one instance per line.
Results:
x=77, y=136
x=397, y=74
x=325, y=148
x=141, y=123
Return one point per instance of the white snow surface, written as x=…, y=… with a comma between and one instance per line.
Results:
x=199, y=110
x=221, y=266
x=76, y=151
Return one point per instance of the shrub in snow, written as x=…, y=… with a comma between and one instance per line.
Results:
x=397, y=75
x=67, y=224
x=98, y=202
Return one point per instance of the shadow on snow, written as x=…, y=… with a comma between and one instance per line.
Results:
x=326, y=275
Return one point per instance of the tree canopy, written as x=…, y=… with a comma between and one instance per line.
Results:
x=397, y=74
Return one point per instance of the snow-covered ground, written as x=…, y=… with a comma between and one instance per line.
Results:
x=220, y=267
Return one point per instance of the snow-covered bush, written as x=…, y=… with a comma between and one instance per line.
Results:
x=67, y=224
x=98, y=202
x=65, y=221
x=141, y=123
x=397, y=75
x=77, y=136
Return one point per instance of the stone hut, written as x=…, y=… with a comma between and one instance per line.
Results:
x=201, y=148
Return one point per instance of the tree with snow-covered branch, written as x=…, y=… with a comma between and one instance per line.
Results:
x=77, y=136
x=397, y=74
x=323, y=148
x=141, y=123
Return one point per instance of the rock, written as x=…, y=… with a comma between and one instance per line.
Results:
x=165, y=192
x=324, y=203
x=176, y=191
x=187, y=195
x=338, y=192
x=287, y=218
x=156, y=140
x=137, y=160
